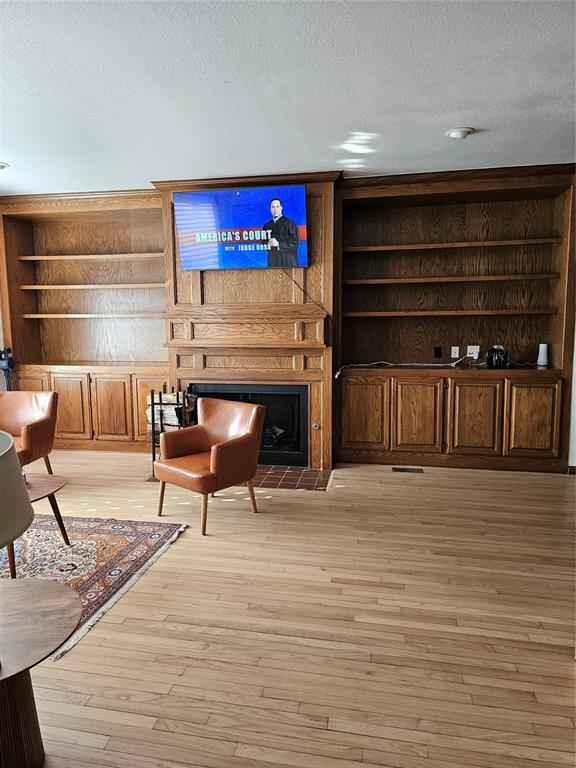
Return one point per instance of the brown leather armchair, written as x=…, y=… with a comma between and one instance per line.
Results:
x=30, y=417
x=220, y=451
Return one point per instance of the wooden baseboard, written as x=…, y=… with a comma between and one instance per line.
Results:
x=572, y=470
x=131, y=446
x=449, y=460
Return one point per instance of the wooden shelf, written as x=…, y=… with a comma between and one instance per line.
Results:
x=91, y=316
x=90, y=286
x=441, y=246
x=453, y=313
x=94, y=256
x=449, y=279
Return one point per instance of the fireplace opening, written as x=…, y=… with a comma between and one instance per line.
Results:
x=285, y=435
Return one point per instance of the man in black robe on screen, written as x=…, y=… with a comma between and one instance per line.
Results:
x=284, y=239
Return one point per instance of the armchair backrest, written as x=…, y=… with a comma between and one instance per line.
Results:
x=17, y=409
x=226, y=419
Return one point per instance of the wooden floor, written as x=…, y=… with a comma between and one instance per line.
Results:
x=406, y=620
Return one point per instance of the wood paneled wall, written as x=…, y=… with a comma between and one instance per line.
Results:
x=258, y=325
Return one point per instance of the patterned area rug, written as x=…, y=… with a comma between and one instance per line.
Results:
x=105, y=559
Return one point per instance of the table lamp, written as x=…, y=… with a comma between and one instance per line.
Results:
x=16, y=513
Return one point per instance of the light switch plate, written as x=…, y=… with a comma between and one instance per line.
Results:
x=473, y=351
x=455, y=353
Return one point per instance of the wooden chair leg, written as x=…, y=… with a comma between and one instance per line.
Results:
x=48, y=465
x=252, y=497
x=11, y=560
x=204, y=513
x=161, y=497
x=58, y=516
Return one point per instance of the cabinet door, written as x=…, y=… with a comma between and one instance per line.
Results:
x=532, y=418
x=366, y=413
x=74, y=416
x=112, y=406
x=32, y=382
x=475, y=417
x=417, y=406
x=141, y=386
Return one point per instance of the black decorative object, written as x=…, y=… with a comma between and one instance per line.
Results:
x=497, y=357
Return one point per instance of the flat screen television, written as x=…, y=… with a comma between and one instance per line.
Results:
x=242, y=228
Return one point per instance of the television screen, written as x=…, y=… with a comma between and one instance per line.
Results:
x=242, y=228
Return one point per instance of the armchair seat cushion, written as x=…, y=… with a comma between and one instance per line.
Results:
x=191, y=472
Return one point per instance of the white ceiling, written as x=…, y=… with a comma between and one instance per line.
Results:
x=112, y=95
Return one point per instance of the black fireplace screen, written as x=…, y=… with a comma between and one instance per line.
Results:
x=285, y=436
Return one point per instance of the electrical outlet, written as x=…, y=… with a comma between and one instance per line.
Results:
x=473, y=351
x=455, y=353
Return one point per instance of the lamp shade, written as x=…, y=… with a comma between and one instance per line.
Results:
x=16, y=513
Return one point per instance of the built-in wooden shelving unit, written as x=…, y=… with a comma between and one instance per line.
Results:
x=429, y=264
x=441, y=270
x=83, y=288
x=85, y=277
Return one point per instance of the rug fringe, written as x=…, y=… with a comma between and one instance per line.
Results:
x=85, y=628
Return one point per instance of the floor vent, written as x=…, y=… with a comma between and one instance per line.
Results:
x=407, y=469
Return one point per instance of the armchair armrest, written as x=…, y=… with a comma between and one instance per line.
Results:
x=234, y=461
x=183, y=442
x=38, y=437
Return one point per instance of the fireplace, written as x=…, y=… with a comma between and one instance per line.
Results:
x=285, y=436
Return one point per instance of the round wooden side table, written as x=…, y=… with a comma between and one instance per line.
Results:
x=36, y=617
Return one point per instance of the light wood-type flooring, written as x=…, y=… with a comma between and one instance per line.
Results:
x=406, y=620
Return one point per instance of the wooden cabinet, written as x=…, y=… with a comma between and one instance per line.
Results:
x=74, y=413
x=532, y=418
x=31, y=382
x=366, y=413
x=466, y=418
x=111, y=406
x=417, y=414
x=141, y=386
x=474, y=423
x=101, y=406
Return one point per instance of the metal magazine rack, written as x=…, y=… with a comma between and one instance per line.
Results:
x=166, y=411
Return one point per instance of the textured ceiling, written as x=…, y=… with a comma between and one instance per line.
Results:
x=110, y=95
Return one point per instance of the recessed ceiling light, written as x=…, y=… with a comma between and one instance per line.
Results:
x=459, y=133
